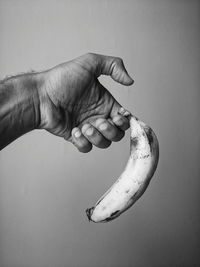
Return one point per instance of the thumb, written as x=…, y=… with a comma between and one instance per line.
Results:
x=114, y=107
x=114, y=67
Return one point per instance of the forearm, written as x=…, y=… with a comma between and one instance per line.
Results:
x=19, y=107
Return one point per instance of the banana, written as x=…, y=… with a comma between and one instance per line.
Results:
x=129, y=187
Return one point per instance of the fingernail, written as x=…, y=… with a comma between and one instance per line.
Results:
x=77, y=134
x=124, y=112
x=103, y=126
x=90, y=131
x=127, y=113
x=121, y=110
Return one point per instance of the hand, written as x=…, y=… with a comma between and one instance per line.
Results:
x=77, y=107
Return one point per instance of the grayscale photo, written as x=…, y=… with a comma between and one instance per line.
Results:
x=99, y=133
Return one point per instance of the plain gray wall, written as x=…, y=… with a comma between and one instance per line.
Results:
x=46, y=184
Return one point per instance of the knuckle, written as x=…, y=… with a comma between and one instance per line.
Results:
x=99, y=121
x=104, y=127
x=85, y=127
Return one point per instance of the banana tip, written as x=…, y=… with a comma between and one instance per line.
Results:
x=89, y=213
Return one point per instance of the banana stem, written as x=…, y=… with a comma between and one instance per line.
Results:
x=124, y=112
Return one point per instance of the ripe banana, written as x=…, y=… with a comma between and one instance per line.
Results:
x=142, y=163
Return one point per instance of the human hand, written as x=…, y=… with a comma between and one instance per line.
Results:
x=76, y=106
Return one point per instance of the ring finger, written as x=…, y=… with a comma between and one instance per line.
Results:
x=79, y=140
x=109, y=129
x=94, y=136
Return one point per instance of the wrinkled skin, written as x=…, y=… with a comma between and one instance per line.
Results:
x=74, y=104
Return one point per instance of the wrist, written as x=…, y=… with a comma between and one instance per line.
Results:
x=40, y=99
x=19, y=106
x=27, y=86
x=37, y=97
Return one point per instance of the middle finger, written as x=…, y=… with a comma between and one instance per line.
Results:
x=109, y=130
x=94, y=136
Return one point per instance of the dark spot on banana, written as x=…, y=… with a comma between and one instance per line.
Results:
x=114, y=213
x=134, y=196
x=134, y=141
x=89, y=213
x=112, y=216
x=149, y=134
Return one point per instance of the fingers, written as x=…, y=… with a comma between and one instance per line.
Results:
x=94, y=136
x=114, y=67
x=109, y=130
x=100, y=134
x=121, y=122
x=79, y=140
